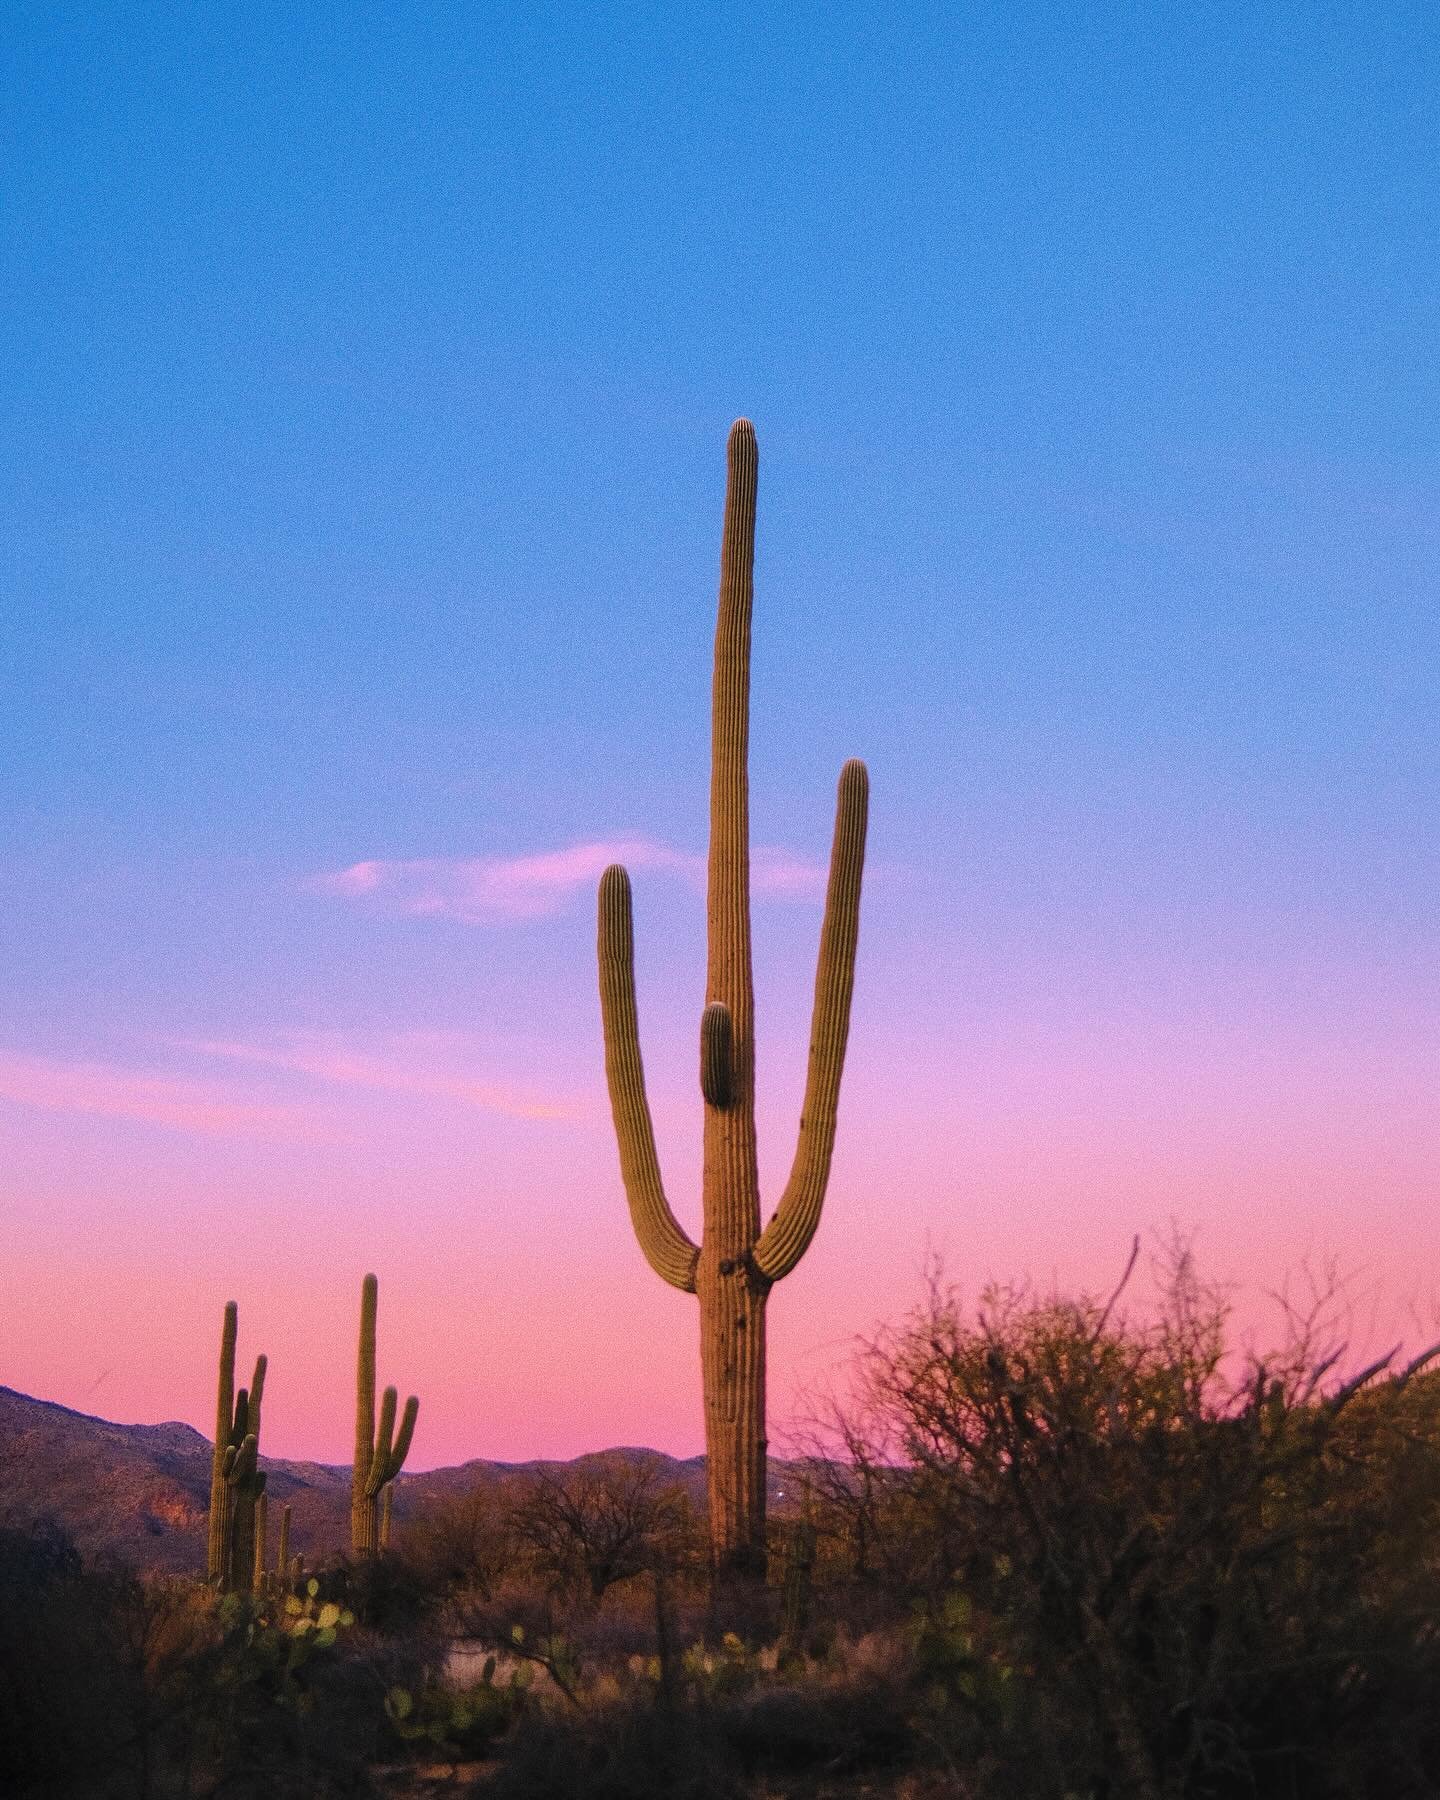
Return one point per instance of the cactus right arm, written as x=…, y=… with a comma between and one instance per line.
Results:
x=404, y=1436
x=393, y=1445
x=668, y=1250
x=379, y=1461
x=787, y=1237
x=257, y=1392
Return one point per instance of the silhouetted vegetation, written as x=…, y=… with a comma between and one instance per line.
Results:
x=1051, y=1550
x=590, y=1526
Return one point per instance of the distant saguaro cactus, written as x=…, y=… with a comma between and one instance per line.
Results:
x=799, y=1573
x=282, y=1553
x=236, y=1480
x=736, y=1263
x=379, y=1454
x=259, y=1580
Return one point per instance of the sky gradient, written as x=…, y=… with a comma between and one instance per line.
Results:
x=369, y=375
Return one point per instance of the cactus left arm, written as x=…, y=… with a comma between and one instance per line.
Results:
x=667, y=1248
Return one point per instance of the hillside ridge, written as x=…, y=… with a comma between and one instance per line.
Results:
x=138, y=1494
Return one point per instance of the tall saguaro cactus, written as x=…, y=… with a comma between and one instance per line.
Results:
x=379, y=1452
x=236, y=1480
x=736, y=1262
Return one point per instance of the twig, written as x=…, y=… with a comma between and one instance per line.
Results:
x=1120, y=1289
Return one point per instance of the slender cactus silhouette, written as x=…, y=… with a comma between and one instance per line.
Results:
x=236, y=1479
x=736, y=1263
x=380, y=1452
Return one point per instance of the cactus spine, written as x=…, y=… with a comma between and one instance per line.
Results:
x=379, y=1452
x=236, y=1480
x=736, y=1263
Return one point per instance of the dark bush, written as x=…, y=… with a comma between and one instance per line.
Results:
x=71, y=1684
x=1146, y=1571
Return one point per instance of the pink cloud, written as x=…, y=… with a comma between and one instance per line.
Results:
x=481, y=890
x=427, y=1064
x=360, y=878
x=783, y=875
x=177, y=1102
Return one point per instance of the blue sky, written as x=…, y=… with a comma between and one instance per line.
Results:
x=368, y=380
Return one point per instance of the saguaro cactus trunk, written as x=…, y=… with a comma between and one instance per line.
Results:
x=736, y=1263
x=379, y=1452
x=218, y=1554
x=236, y=1480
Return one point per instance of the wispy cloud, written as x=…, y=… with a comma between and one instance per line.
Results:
x=178, y=1102
x=485, y=890
x=783, y=875
x=427, y=1064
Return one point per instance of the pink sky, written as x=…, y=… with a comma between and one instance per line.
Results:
x=1015, y=1126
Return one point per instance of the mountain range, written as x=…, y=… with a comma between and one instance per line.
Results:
x=138, y=1494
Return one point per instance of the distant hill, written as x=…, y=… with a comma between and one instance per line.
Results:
x=138, y=1494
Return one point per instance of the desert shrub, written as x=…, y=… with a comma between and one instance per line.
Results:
x=740, y=1729
x=85, y=1664
x=388, y=1593
x=462, y=1543
x=291, y=1701
x=110, y=1684
x=606, y=1520
x=1151, y=1571
x=623, y=1752
x=843, y=1729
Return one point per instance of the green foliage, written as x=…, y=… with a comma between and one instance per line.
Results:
x=731, y=1669
x=954, y=1666
x=460, y=1722
x=273, y=1642
x=552, y=1651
